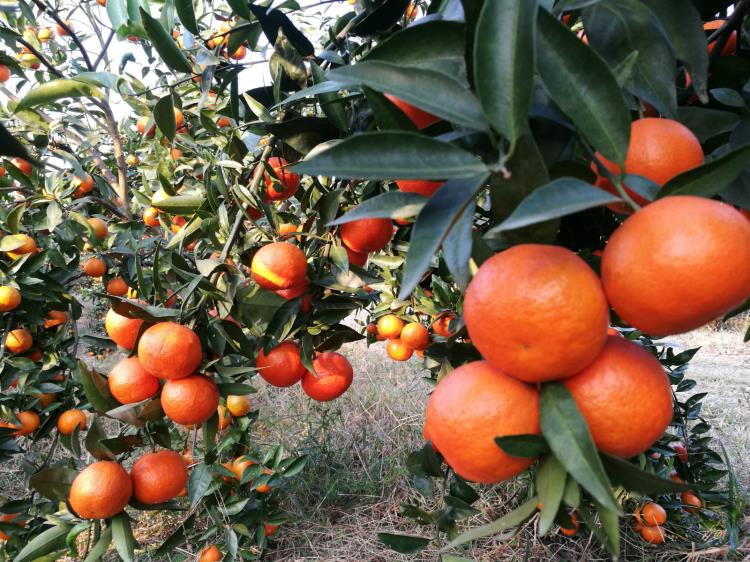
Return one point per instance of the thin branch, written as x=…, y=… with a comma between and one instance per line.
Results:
x=105, y=46
x=39, y=55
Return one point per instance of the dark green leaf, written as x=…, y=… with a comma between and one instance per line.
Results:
x=179, y=204
x=504, y=64
x=390, y=155
x=387, y=115
x=122, y=536
x=164, y=116
x=569, y=438
x=54, y=90
x=710, y=179
x=94, y=438
x=393, y=204
x=584, y=88
x=508, y=521
x=329, y=101
x=96, y=389
x=550, y=485
x=199, y=483
x=611, y=524
x=275, y=19
x=186, y=13
x=164, y=44
x=102, y=545
x=457, y=247
x=9, y=145
x=523, y=446
x=51, y=540
x=54, y=483
x=632, y=477
x=405, y=544
x=380, y=17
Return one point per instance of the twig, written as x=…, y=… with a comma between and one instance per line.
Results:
x=105, y=45
x=72, y=34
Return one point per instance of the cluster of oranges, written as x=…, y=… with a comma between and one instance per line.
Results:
x=404, y=340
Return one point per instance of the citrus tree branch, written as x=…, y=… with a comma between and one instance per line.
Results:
x=72, y=34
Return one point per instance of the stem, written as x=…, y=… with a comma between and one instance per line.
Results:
x=122, y=168
x=105, y=45
x=55, y=16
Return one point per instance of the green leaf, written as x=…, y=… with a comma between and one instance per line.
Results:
x=570, y=440
x=610, y=521
x=616, y=29
x=523, y=446
x=117, y=11
x=550, y=485
x=572, y=493
x=684, y=27
x=633, y=478
x=164, y=116
x=164, y=44
x=429, y=90
x=122, y=536
x=54, y=483
x=504, y=64
x=710, y=179
x=405, y=544
x=433, y=223
x=54, y=90
x=179, y=204
x=101, y=546
x=457, y=247
x=386, y=114
x=9, y=145
x=186, y=13
x=329, y=101
x=96, y=389
x=508, y=521
x=560, y=197
x=198, y=483
x=240, y=8
x=51, y=540
x=186, y=234
x=393, y=204
x=391, y=155
x=584, y=88
x=94, y=441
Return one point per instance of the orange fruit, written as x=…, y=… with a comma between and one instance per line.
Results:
x=653, y=534
x=264, y=488
x=95, y=267
x=677, y=264
x=372, y=329
x=270, y=529
x=239, y=465
x=238, y=405
x=659, y=150
x=101, y=490
x=366, y=235
x=286, y=228
x=282, y=366
x=415, y=336
x=690, y=502
x=55, y=318
x=10, y=298
x=398, y=350
x=35, y=356
x=333, y=376
x=69, y=420
x=117, y=287
x=121, y=329
x=624, y=396
x=28, y=246
x=2, y=168
x=190, y=400
x=141, y=126
x=158, y=477
x=4, y=76
x=571, y=532
x=29, y=422
x=179, y=117
x=175, y=153
x=279, y=265
x=46, y=398
x=45, y=34
x=653, y=514
x=129, y=382
x=151, y=217
x=223, y=122
x=390, y=326
x=132, y=160
x=83, y=185
x=170, y=351
x=240, y=53
x=9, y=517
x=441, y=325
x=469, y=408
x=21, y=164
x=225, y=417
x=536, y=312
x=18, y=341
x=730, y=47
x=99, y=226
x=287, y=183
x=421, y=187
x=355, y=258
x=417, y=116
x=682, y=452
x=210, y=553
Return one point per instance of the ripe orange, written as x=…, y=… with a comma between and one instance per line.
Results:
x=417, y=116
x=10, y=298
x=441, y=325
x=421, y=187
x=287, y=183
x=83, y=185
x=371, y=330
x=572, y=531
x=659, y=150
x=175, y=153
x=624, y=396
x=356, y=258
x=9, y=517
x=366, y=235
x=469, y=408
x=29, y=423
x=4, y=73
x=117, y=287
x=415, y=336
x=333, y=376
x=225, y=417
x=18, y=341
x=240, y=53
x=653, y=514
x=279, y=265
x=35, y=355
x=141, y=126
x=398, y=350
x=23, y=165
x=210, y=553
x=132, y=160
x=282, y=366
x=179, y=117
x=223, y=122
x=177, y=223
x=95, y=267
x=653, y=535
x=690, y=502
x=46, y=398
x=55, y=318
x=69, y=420
x=151, y=217
x=170, y=351
x=287, y=228
x=190, y=400
x=100, y=490
x=677, y=264
x=99, y=226
x=129, y=382
x=730, y=47
x=121, y=329
x=264, y=488
x=536, y=312
x=390, y=326
x=269, y=529
x=239, y=465
x=238, y=405
x=158, y=477
x=28, y=246
x=682, y=452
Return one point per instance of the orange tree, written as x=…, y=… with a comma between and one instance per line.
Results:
x=552, y=169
